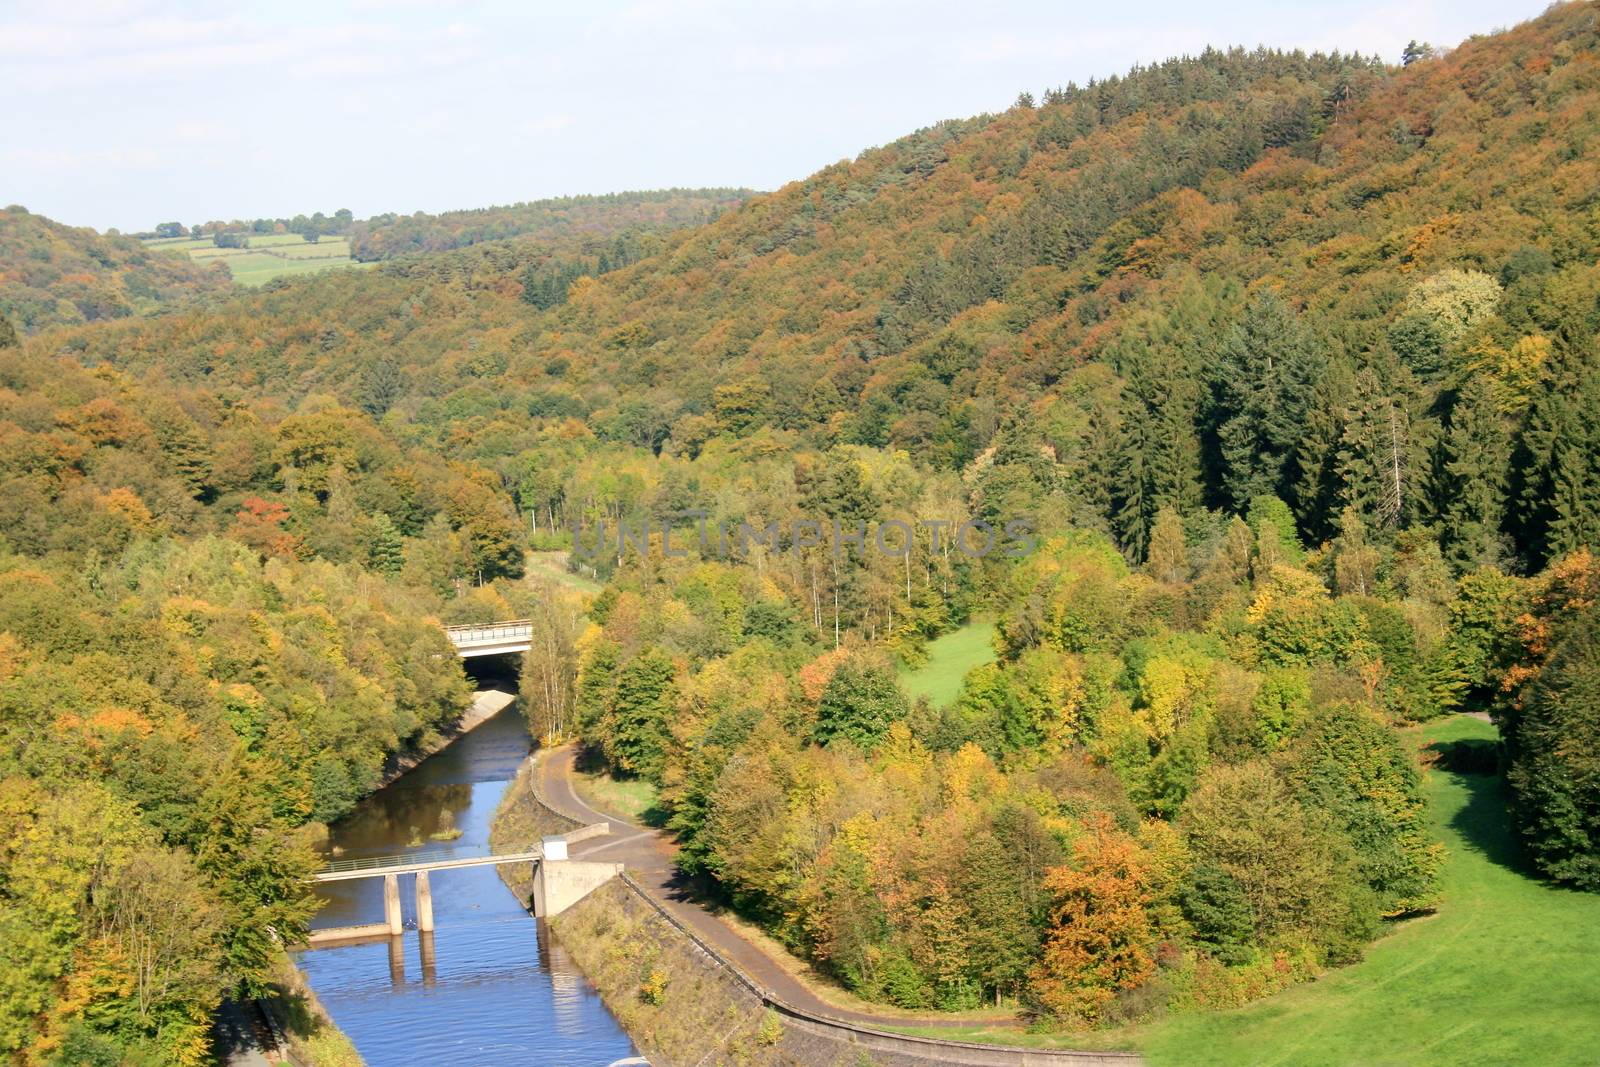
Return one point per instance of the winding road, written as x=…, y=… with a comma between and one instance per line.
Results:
x=649, y=856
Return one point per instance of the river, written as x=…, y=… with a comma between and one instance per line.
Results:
x=493, y=988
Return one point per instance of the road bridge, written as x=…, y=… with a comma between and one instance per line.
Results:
x=491, y=638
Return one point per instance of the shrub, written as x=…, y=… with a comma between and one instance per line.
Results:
x=770, y=1032
x=653, y=990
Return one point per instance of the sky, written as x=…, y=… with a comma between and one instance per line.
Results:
x=126, y=113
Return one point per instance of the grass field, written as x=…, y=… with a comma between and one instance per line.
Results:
x=269, y=256
x=949, y=659
x=1506, y=973
x=632, y=798
x=552, y=566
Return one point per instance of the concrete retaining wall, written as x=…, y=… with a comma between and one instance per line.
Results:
x=559, y=884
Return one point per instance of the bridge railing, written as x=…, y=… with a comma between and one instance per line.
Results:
x=367, y=863
x=477, y=633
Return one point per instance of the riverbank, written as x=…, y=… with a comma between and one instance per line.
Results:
x=297, y=1016
x=521, y=820
x=486, y=704
x=302, y=1023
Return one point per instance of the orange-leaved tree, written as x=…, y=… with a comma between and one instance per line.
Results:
x=1099, y=938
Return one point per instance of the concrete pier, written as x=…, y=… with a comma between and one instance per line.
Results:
x=430, y=971
x=391, y=904
x=333, y=935
x=424, y=903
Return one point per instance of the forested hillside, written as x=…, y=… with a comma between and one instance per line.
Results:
x=387, y=236
x=1288, y=360
x=1245, y=273
x=52, y=274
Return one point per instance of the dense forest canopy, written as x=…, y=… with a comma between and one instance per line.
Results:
x=52, y=275
x=387, y=236
x=1289, y=360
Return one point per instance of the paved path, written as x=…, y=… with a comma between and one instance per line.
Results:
x=649, y=856
x=239, y=1038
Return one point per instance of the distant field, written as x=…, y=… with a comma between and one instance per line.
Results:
x=269, y=256
x=949, y=659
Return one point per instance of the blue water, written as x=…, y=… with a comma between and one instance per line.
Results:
x=496, y=990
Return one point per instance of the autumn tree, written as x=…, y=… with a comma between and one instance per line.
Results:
x=1098, y=942
x=550, y=666
x=1168, y=557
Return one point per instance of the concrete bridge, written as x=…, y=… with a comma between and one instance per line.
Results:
x=491, y=638
x=558, y=883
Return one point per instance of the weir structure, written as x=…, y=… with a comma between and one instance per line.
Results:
x=558, y=882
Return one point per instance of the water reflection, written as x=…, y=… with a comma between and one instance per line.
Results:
x=487, y=987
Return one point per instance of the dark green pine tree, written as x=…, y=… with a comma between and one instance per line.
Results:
x=1159, y=459
x=1557, y=469
x=1383, y=450
x=8, y=334
x=1159, y=451
x=838, y=492
x=997, y=887
x=1551, y=421
x=1261, y=383
x=1315, y=493
x=384, y=548
x=382, y=384
x=1096, y=485
x=1553, y=740
x=1477, y=457
x=1577, y=482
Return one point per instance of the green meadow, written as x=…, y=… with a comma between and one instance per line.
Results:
x=949, y=659
x=269, y=256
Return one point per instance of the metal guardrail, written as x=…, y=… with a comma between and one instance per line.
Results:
x=373, y=866
x=367, y=863
x=473, y=633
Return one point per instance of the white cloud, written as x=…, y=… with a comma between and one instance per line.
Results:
x=793, y=58
x=547, y=124
x=202, y=131
x=61, y=160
